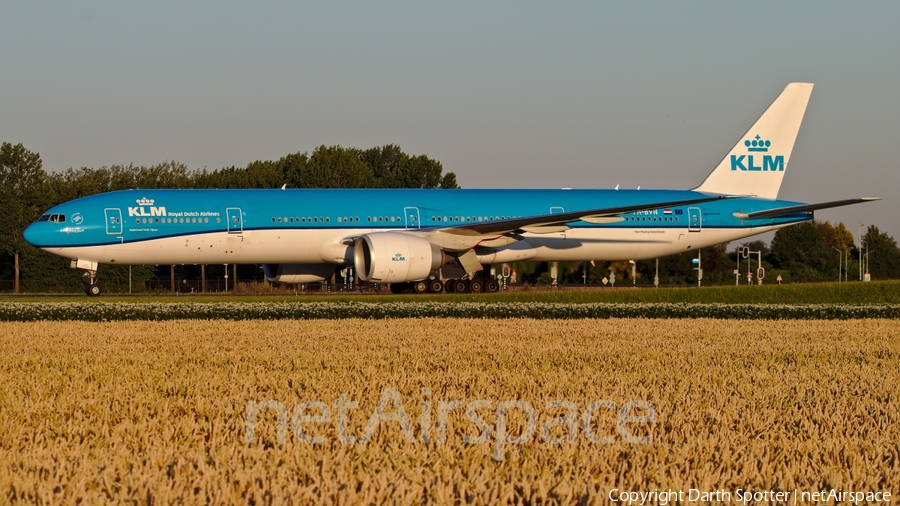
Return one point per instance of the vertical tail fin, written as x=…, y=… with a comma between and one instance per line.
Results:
x=756, y=165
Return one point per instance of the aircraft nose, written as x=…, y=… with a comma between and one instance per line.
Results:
x=33, y=234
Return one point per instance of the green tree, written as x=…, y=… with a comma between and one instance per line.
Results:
x=385, y=164
x=448, y=182
x=390, y=167
x=421, y=172
x=718, y=266
x=265, y=175
x=802, y=249
x=170, y=174
x=883, y=254
x=843, y=238
x=335, y=167
x=22, y=199
x=293, y=167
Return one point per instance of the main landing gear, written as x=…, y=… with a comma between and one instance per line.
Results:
x=475, y=285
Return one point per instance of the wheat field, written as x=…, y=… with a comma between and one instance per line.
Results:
x=157, y=412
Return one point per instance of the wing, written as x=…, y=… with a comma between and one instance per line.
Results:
x=532, y=223
x=781, y=211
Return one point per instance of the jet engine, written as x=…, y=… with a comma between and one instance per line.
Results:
x=298, y=273
x=393, y=257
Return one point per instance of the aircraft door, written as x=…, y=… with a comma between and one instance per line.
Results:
x=235, y=220
x=695, y=219
x=557, y=210
x=412, y=217
x=113, y=221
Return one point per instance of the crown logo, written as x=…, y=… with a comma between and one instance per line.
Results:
x=757, y=145
x=145, y=202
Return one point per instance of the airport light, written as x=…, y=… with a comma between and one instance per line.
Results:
x=656, y=276
x=859, y=248
x=699, y=268
x=840, y=254
x=847, y=263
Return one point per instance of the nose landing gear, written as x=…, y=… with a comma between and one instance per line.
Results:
x=91, y=288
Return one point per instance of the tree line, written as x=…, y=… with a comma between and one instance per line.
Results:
x=811, y=251
x=27, y=190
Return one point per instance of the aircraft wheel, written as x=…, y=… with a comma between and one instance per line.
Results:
x=449, y=285
x=460, y=286
x=93, y=290
x=476, y=285
x=492, y=286
x=420, y=287
x=436, y=286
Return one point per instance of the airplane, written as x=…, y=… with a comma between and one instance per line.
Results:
x=407, y=237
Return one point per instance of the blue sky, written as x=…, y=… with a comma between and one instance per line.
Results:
x=504, y=94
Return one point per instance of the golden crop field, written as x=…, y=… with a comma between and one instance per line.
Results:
x=158, y=412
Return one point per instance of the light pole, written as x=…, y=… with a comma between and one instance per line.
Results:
x=867, y=258
x=840, y=254
x=859, y=248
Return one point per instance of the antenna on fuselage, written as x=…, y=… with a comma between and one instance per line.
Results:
x=284, y=186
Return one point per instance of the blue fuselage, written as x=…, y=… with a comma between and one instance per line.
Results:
x=299, y=225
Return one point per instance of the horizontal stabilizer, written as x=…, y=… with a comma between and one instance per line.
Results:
x=781, y=211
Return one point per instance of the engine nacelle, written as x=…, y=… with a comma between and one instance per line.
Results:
x=298, y=273
x=393, y=257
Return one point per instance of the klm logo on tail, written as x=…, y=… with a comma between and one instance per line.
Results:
x=757, y=145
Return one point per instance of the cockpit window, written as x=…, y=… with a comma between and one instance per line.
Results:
x=55, y=218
